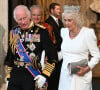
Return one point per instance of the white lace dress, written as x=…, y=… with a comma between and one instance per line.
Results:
x=74, y=50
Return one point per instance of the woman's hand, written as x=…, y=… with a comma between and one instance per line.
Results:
x=83, y=70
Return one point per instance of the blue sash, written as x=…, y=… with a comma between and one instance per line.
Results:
x=22, y=52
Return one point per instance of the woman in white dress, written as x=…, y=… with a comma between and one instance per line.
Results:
x=78, y=42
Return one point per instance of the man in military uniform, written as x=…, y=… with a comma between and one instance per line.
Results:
x=26, y=44
x=36, y=16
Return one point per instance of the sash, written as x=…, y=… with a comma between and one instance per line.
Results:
x=22, y=52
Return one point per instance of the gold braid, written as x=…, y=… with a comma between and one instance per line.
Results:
x=48, y=69
x=13, y=41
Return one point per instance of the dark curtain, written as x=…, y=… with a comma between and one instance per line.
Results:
x=12, y=4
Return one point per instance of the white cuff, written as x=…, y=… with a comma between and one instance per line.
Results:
x=59, y=56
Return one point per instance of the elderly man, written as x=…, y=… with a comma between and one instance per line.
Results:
x=36, y=16
x=26, y=60
x=36, y=13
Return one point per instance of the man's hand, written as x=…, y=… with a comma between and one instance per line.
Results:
x=40, y=80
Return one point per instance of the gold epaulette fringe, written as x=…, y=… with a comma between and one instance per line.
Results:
x=13, y=41
x=48, y=69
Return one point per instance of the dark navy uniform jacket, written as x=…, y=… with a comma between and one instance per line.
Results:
x=56, y=30
x=33, y=48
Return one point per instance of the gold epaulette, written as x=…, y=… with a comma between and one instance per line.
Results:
x=13, y=41
x=48, y=69
x=8, y=72
x=41, y=26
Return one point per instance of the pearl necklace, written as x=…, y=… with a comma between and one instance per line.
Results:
x=73, y=35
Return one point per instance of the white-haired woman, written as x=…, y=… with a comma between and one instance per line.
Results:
x=77, y=42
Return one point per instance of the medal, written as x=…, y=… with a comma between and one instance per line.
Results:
x=36, y=38
x=31, y=46
x=32, y=55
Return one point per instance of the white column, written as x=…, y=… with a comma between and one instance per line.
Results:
x=3, y=39
x=4, y=22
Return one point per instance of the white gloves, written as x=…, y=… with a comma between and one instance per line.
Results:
x=42, y=61
x=59, y=56
x=40, y=80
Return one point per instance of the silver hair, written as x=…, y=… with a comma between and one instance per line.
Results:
x=38, y=6
x=77, y=17
x=17, y=8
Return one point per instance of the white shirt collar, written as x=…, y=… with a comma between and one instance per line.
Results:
x=54, y=17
